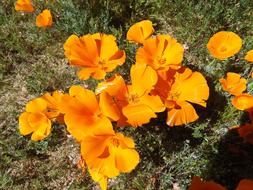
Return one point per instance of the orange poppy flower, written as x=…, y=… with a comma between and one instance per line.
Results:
x=24, y=5
x=82, y=114
x=39, y=114
x=223, y=45
x=134, y=101
x=140, y=31
x=245, y=184
x=95, y=54
x=107, y=155
x=243, y=102
x=234, y=84
x=161, y=53
x=249, y=56
x=34, y=120
x=44, y=19
x=178, y=89
x=197, y=184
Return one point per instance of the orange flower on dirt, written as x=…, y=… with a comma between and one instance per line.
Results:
x=82, y=113
x=161, y=53
x=107, y=155
x=44, y=19
x=95, y=54
x=198, y=184
x=178, y=89
x=243, y=102
x=234, y=84
x=39, y=114
x=34, y=120
x=249, y=56
x=223, y=45
x=135, y=101
x=140, y=31
x=245, y=184
x=24, y=5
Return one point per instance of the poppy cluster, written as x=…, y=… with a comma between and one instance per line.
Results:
x=44, y=19
x=158, y=82
x=223, y=45
x=198, y=184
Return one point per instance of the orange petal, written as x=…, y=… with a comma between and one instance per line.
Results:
x=80, y=126
x=86, y=97
x=243, y=102
x=181, y=114
x=245, y=184
x=126, y=159
x=108, y=46
x=154, y=102
x=115, y=86
x=36, y=105
x=117, y=59
x=100, y=178
x=94, y=146
x=140, y=31
x=44, y=19
x=86, y=73
x=249, y=56
x=109, y=106
x=234, y=84
x=138, y=115
x=140, y=73
x=24, y=127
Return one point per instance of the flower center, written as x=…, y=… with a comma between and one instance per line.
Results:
x=101, y=62
x=223, y=49
x=133, y=98
x=174, y=96
x=115, y=142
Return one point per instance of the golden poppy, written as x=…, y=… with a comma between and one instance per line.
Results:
x=135, y=101
x=161, y=53
x=95, y=54
x=249, y=56
x=245, y=184
x=107, y=155
x=39, y=114
x=24, y=5
x=178, y=89
x=223, y=45
x=198, y=184
x=234, y=84
x=243, y=102
x=34, y=120
x=140, y=31
x=44, y=19
x=82, y=114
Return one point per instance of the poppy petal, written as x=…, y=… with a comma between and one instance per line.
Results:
x=181, y=114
